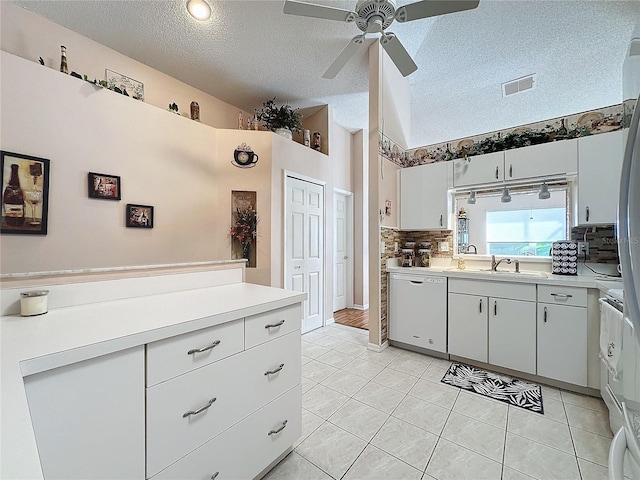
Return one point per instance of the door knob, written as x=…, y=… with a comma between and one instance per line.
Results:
x=345, y=257
x=297, y=267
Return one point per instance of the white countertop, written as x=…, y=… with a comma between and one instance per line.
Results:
x=586, y=281
x=66, y=335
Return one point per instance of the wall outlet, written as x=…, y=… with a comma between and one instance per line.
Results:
x=583, y=248
x=382, y=247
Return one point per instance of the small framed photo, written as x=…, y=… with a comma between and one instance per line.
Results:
x=139, y=216
x=125, y=85
x=107, y=187
x=25, y=193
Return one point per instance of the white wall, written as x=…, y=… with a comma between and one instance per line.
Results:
x=163, y=160
x=27, y=35
x=396, y=103
x=361, y=218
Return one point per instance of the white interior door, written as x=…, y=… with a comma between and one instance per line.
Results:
x=304, y=247
x=343, y=257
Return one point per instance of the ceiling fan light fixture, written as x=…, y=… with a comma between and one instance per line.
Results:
x=544, y=192
x=199, y=9
x=506, y=197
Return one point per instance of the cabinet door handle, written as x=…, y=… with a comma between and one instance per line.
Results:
x=495, y=308
x=496, y=172
x=511, y=170
x=274, y=325
x=545, y=315
x=214, y=476
x=416, y=282
x=204, y=349
x=200, y=410
x=587, y=214
x=563, y=296
x=279, y=429
x=480, y=305
x=440, y=219
x=271, y=372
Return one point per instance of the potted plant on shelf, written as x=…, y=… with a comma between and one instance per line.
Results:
x=282, y=120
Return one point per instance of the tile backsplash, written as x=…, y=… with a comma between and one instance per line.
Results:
x=603, y=244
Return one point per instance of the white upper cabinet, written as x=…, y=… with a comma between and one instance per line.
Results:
x=547, y=159
x=424, y=197
x=479, y=169
x=599, y=167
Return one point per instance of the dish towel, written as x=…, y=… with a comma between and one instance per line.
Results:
x=610, y=337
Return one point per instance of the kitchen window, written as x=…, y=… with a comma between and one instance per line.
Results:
x=526, y=226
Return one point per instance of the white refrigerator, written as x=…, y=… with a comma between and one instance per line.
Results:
x=624, y=453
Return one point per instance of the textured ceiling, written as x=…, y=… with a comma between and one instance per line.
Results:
x=249, y=51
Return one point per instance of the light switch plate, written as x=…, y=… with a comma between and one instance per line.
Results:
x=443, y=246
x=382, y=247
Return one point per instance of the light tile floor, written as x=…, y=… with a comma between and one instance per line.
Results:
x=369, y=415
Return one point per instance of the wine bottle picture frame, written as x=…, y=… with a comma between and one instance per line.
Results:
x=25, y=193
x=139, y=216
x=103, y=186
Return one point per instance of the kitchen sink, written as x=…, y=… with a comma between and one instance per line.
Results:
x=521, y=274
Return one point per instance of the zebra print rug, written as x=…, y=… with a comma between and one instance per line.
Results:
x=493, y=385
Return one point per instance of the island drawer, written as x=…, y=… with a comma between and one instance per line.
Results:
x=263, y=327
x=177, y=355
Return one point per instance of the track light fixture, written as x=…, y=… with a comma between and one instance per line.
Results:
x=544, y=192
x=472, y=198
x=506, y=197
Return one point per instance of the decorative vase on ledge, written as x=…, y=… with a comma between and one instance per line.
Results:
x=285, y=132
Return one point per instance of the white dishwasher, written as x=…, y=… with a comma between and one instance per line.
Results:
x=418, y=310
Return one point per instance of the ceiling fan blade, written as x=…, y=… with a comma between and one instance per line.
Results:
x=432, y=8
x=344, y=57
x=398, y=54
x=304, y=9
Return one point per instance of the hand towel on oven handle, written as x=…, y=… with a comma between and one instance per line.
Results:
x=610, y=337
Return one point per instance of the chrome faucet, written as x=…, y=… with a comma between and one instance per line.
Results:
x=494, y=264
x=474, y=248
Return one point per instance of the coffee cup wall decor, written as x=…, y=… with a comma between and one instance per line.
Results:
x=244, y=157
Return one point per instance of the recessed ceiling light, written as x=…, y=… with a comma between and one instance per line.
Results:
x=199, y=9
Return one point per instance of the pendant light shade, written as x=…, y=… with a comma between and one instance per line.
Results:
x=472, y=198
x=506, y=198
x=544, y=192
x=199, y=9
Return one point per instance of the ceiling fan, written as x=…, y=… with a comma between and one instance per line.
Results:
x=375, y=16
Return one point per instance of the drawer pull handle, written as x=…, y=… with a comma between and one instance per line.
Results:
x=563, y=296
x=545, y=314
x=215, y=475
x=271, y=372
x=511, y=170
x=204, y=349
x=279, y=429
x=274, y=325
x=496, y=172
x=200, y=410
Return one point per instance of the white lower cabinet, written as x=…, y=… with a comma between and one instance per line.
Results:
x=512, y=334
x=243, y=451
x=493, y=322
x=88, y=417
x=469, y=326
x=203, y=421
x=562, y=337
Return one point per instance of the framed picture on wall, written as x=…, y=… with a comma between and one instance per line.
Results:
x=107, y=187
x=25, y=193
x=139, y=216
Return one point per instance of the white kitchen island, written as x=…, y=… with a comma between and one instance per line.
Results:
x=121, y=318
